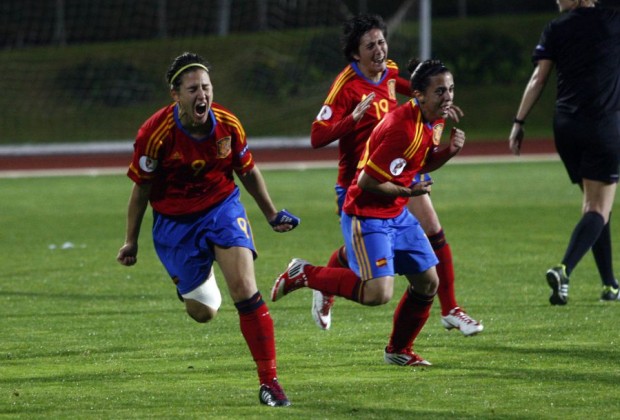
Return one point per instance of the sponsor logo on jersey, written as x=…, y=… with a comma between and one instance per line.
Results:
x=223, y=147
x=437, y=132
x=391, y=84
x=325, y=113
x=147, y=164
x=397, y=166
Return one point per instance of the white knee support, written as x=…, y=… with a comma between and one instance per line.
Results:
x=207, y=293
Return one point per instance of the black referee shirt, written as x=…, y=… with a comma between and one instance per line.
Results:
x=584, y=44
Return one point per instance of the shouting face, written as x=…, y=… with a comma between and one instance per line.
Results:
x=194, y=97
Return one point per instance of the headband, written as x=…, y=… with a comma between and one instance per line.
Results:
x=182, y=69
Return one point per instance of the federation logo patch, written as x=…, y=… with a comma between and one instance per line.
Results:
x=325, y=113
x=223, y=147
x=437, y=132
x=397, y=166
x=147, y=164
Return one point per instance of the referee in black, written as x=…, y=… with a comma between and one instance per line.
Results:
x=584, y=44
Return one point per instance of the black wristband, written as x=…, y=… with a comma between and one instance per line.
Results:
x=518, y=121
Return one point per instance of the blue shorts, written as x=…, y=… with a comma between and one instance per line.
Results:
x=383, y=247
x=421, y=177
x=184, y=244
x=341, y=193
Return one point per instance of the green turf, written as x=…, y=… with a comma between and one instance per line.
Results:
x=83, y=337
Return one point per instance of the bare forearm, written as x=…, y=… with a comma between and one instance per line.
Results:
x=254, y=184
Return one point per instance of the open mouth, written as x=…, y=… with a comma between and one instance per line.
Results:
x=200, y=109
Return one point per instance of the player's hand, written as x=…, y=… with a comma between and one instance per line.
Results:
x=420, y=188
x=363, y=106
x=515, y=139
x=128, y=254
x=457, y=139
x=455, y=113
x=284, y=221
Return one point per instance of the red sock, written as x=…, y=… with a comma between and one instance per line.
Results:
x=338, y=258
x=257, y=329
x=445, y=272
x=335, y=281
x=409, y=318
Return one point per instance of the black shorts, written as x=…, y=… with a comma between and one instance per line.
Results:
x=588, y=146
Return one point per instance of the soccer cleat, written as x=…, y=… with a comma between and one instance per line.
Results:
x=458, y=318
x=292, y=279
x=610, y=293
x=558, y=281
x=322, y=309
x=404, y=358
x=273, y=395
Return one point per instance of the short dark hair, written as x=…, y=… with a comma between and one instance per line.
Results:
x=422, y=71
x=353, y=30
x=184, y=60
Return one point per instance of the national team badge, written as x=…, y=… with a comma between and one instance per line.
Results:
x=437, y=132
x=397, y=166
x=223, y=147
x=147, y=164
x=392, y=88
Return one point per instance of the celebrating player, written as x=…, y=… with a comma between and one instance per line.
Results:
x=584, y=44
x=358, y=99
x=381, y=236
x=183, y=163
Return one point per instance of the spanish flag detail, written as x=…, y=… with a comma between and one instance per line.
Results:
x=381, y=262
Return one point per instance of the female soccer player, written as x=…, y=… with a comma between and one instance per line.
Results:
x=358, y=99
x=584, y=44
x=183, y=163
x=381, y=236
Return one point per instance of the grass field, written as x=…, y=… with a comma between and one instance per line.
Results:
x=83, y=337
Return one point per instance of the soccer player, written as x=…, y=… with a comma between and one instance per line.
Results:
x=183, y=163
x=381, y=236
x=358, y=99
x=584, y=44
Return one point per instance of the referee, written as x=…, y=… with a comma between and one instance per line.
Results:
x=584, y=44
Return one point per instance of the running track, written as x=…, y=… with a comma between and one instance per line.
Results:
x=21, y=161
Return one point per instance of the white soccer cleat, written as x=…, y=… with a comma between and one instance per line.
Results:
x=458, y=318
x=322, y=309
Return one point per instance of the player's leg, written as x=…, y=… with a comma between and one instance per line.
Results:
x=452, y=315
x=366, y=283
x=203, y=302
x=598, y=199
x=604, y=263
x=414, y=256
x=590, y=151
x=237, y=265
x=410, y=317
x=322, y=303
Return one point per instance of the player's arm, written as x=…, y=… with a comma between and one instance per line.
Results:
x=531, y=94
x=138, y=202
x=440, y=155
x=328, y=128
x=370, y=184
x=255, y=185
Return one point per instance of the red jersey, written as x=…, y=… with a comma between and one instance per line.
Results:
x=187, y=174
x=335, y=121
x=396, y=152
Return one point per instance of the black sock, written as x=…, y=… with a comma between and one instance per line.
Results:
x=602, y=255
x=583, y=238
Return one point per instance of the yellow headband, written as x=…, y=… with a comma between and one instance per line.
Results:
x=182, y=69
